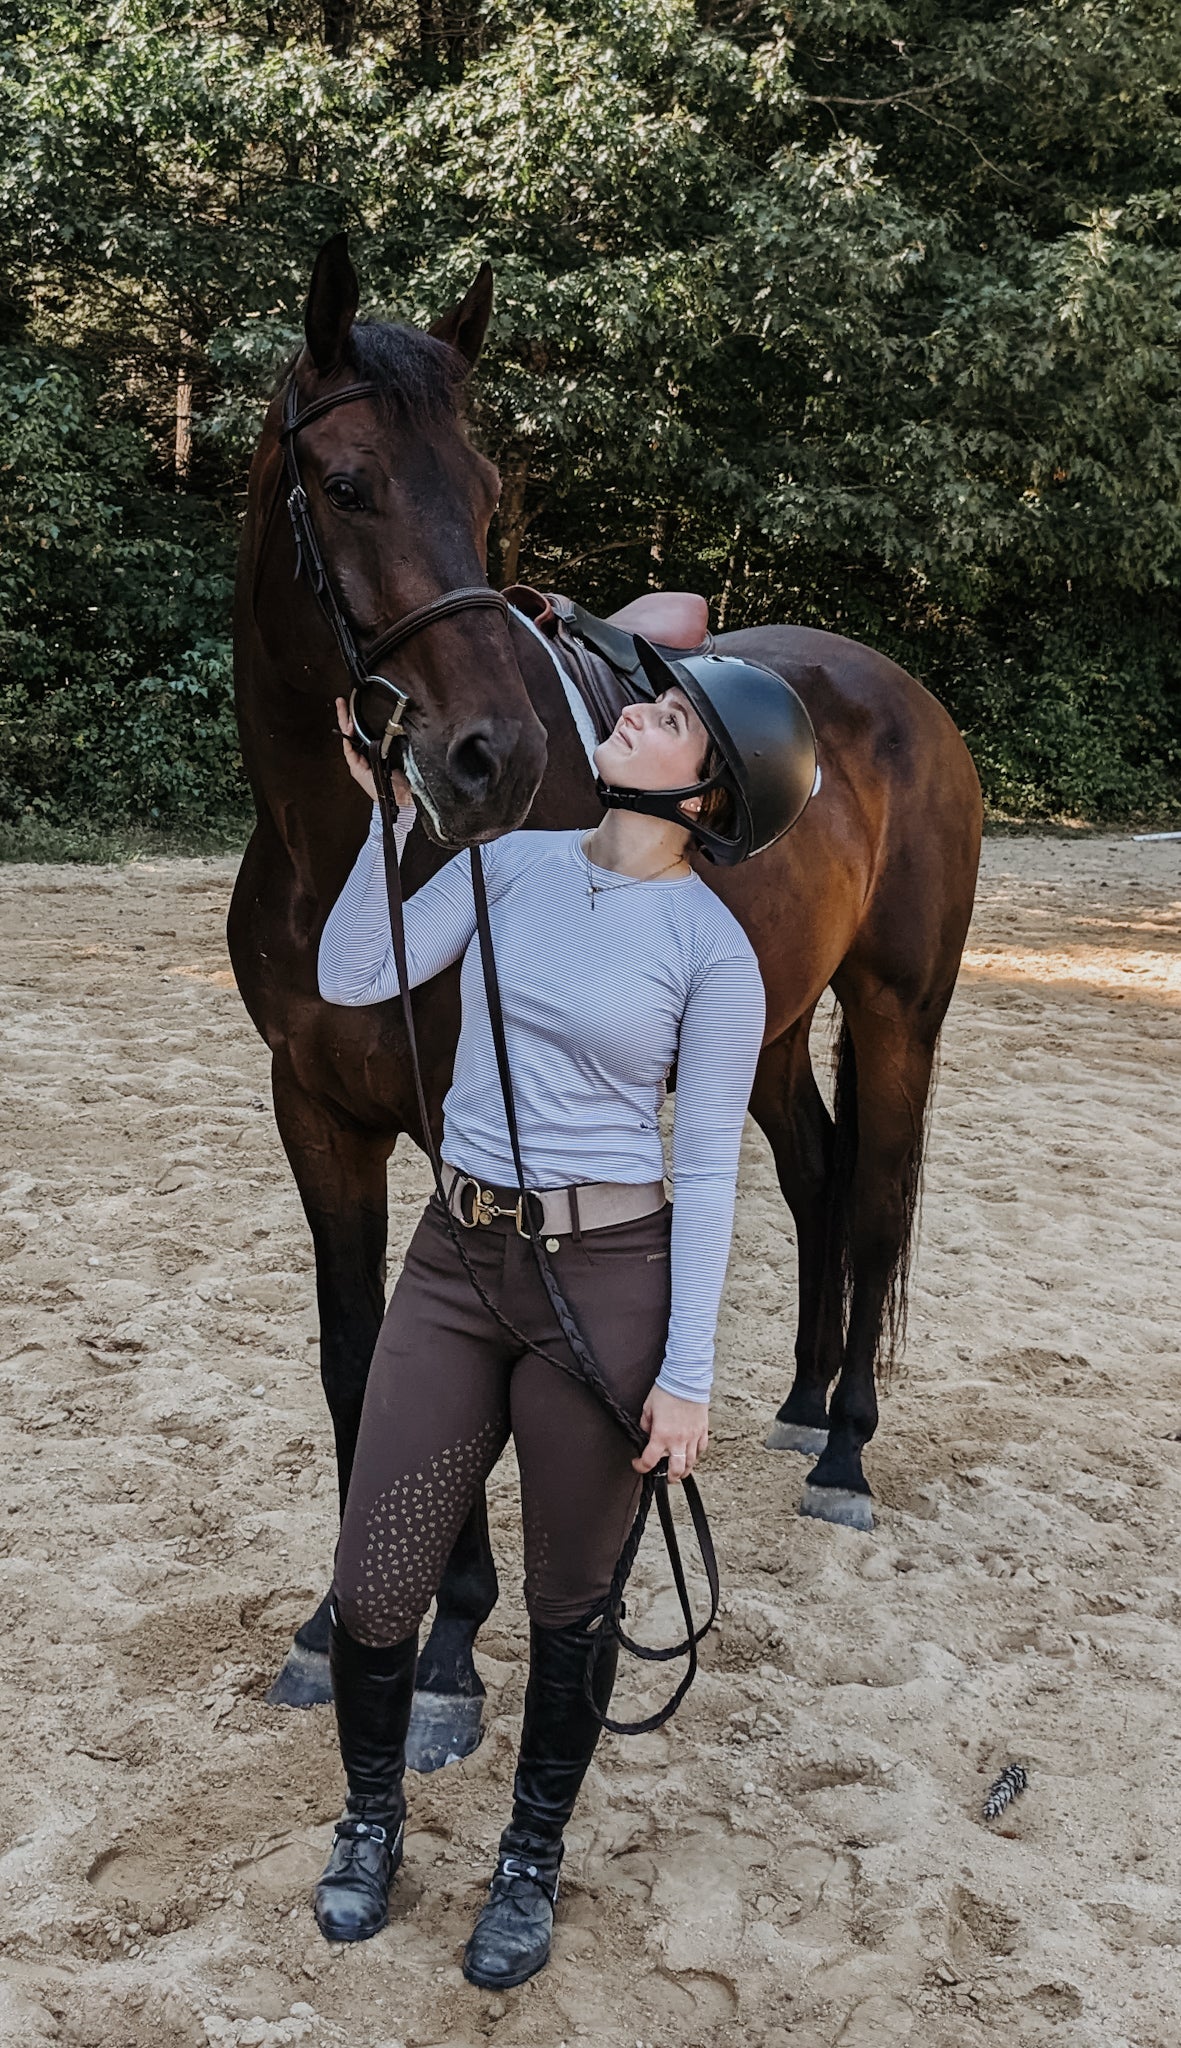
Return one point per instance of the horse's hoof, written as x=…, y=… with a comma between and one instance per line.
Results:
x=792, y=1436
x=303, y=1681
x=837, y=1504
x=444, y=1726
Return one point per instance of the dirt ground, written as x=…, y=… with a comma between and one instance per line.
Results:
x=800, y=1861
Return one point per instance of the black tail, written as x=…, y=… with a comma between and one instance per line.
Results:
x=839, y=1260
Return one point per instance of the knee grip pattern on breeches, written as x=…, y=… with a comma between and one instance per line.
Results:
x=384, y=1587
x=535, y=1529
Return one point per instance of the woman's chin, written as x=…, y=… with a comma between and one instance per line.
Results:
x=612, y=764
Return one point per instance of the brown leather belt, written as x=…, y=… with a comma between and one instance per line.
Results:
x=557, y=1212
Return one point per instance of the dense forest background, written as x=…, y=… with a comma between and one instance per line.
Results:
x=863, y=313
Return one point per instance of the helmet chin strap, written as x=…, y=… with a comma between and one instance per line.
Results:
x=666, y=803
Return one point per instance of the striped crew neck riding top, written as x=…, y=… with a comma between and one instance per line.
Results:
x=601, y=995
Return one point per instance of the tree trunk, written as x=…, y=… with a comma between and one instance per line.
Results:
x=184, y=415
x=728, y=586
x=512, y=525
x=656, y=552
x=428, y=32
x=340, y=22
x=455, y=30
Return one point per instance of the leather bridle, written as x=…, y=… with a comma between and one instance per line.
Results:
x=310, y=561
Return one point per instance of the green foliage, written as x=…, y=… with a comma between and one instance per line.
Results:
x=862, y=312
x=114, y=665
x=1079, y=716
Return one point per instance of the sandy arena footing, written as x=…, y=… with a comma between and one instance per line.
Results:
x=800, y=1860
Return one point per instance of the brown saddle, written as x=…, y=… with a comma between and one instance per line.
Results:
x=599, y=655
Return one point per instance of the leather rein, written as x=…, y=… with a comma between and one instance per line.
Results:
x=582, y=1364
x=309, y=561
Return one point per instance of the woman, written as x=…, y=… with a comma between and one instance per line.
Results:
x=614, y=961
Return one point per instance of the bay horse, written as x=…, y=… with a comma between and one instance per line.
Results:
x=870, y=895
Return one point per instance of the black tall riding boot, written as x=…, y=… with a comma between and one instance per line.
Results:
x=511, y=1938
x=373, y=1691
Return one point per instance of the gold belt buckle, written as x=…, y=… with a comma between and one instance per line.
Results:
x=483, y=1206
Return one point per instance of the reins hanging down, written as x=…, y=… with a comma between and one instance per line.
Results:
x=585, y=1367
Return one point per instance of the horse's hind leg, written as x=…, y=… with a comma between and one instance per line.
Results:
x=883, y=1082
x=340, y=1170
x=788, y=1106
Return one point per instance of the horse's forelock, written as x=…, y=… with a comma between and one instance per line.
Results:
x=417, y=375
x=422, y=377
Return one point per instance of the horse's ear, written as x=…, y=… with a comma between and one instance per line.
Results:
x=333, y=297
x=466, y=324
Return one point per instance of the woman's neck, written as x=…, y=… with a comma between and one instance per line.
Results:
x=631, y=844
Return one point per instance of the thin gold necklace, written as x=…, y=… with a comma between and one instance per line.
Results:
x=594, y=888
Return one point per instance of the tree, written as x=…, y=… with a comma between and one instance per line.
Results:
x=854, y=312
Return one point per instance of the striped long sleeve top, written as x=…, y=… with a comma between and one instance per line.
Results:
x=601, y=995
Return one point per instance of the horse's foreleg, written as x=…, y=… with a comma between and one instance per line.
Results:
x=340, y=1170
x=447, y=1721
x=887, y=1058
x=788, y=1106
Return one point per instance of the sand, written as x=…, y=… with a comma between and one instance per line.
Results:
x=801, y=1858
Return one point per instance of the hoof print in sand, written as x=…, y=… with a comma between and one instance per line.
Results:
x=698, y=1995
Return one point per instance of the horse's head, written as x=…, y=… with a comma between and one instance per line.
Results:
x=401, y=503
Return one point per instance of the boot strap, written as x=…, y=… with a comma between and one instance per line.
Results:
x=515, y=1867
x=350, y=1829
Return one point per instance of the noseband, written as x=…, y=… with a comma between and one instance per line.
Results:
x=309, y=560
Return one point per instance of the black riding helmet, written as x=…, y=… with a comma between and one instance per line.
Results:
x=763, y=734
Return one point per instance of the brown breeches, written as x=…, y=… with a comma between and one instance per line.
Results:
x=446, y=1388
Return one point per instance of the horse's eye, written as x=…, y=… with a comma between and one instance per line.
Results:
x=342, y=494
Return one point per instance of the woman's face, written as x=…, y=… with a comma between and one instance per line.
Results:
x=654, y=746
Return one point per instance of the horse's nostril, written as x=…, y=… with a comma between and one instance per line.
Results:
x=473, y=762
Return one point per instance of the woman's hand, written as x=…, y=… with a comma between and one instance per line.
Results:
x=677, y=1430
x=359, y=768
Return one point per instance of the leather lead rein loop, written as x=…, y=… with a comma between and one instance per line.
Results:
x=585, y=1368
x=655, y=1484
